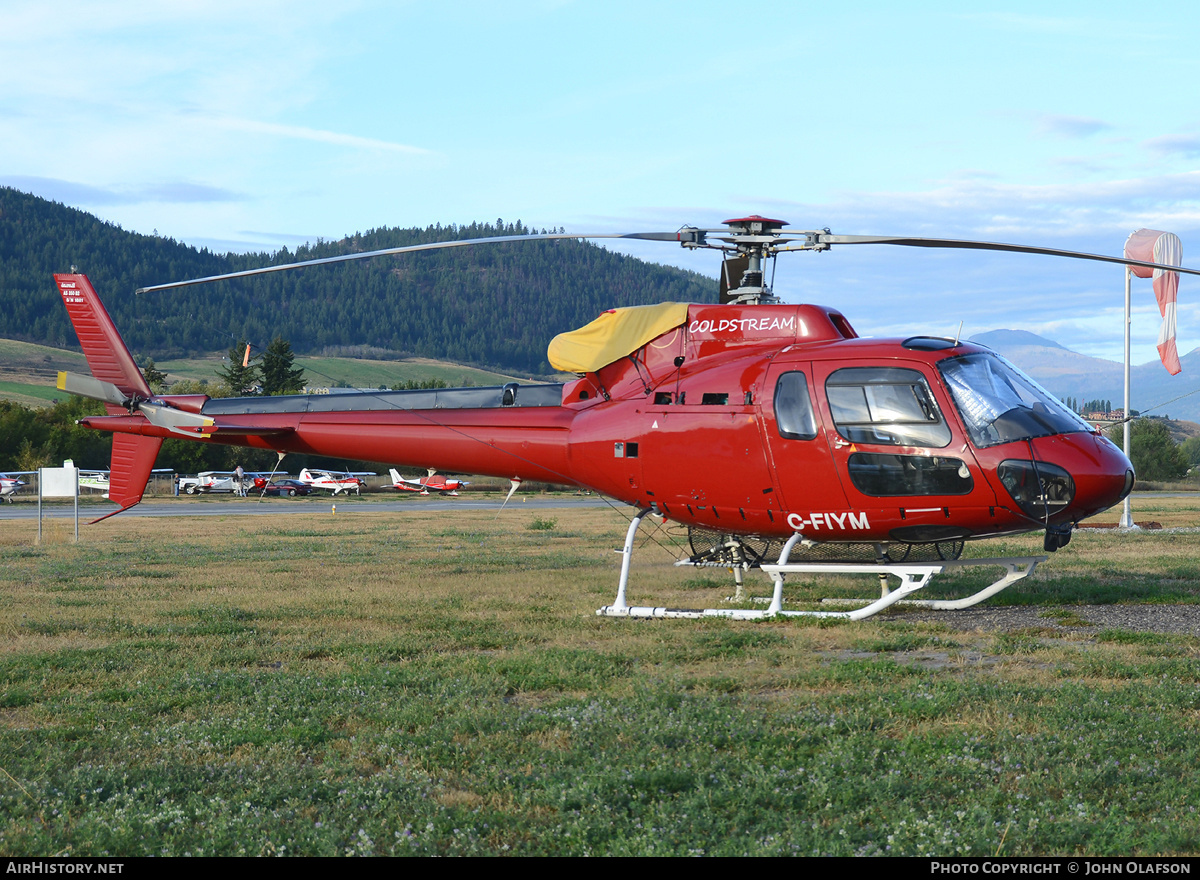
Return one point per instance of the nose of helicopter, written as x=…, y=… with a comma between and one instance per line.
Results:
x=1101, y=474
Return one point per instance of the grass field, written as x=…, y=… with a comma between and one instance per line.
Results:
x=421, y=683
x=355, y=372
x=33, y=395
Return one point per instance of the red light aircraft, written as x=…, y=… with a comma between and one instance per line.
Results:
x=336, y=483
x=431, y=483
x=753, y=420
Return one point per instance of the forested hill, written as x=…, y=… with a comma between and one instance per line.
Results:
x=494, y=305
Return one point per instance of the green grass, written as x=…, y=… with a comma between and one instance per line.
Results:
x=27, y=356
x=29, y=394
x=399, y=684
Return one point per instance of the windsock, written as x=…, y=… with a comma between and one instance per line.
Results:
x=1153, y=246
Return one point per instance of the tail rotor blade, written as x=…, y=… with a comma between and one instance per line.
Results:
x=95, y=389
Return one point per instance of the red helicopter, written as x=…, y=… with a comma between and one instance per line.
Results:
x=751, y=422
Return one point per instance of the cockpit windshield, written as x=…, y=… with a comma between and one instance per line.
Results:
x=1000, y=404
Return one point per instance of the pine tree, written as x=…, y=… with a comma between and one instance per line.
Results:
x=239, y=373
x=278, y=375
x=155, y=377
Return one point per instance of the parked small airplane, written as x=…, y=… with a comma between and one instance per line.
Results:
x=216, y=481
x=337, y=483
x=427, y=484
x=97, y=480
x=9, y=484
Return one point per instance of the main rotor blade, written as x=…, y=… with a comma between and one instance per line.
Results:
x=685, y=234
x=825, y=238
x=90, y=387
x=690, y=235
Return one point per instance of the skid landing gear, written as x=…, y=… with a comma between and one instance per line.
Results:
x=912, y=576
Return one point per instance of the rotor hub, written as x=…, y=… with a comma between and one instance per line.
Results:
x=742, y=277
x=755, y=224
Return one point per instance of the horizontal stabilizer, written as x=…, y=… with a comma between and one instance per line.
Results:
x=133, y=424
x=243, y=430
x=175, y=419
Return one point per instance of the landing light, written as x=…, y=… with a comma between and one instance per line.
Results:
x=1040, y=489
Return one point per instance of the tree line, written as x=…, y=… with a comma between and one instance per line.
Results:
x=1155, y=455
x=493, y=306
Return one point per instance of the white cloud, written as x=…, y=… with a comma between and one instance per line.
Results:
x=1185, y=145
x=72, y=193
x=1071, y=126
x=299, y=132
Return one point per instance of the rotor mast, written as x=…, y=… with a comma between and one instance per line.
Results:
x=752, y=239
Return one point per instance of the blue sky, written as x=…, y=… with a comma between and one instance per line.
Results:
x=249, y=126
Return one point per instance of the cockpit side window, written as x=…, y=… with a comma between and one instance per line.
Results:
x=793, y=408
x=887, y=406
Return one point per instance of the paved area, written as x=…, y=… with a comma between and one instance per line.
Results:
x=229, y=506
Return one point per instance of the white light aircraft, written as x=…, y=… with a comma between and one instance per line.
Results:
x=337, y=483
x=10, y=483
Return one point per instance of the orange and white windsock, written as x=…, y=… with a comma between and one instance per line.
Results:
x=1153, y=246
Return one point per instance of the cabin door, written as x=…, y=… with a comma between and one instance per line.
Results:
x=805, y=473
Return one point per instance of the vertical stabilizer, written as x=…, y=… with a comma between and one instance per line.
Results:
x=132, y=460
x=109, y=359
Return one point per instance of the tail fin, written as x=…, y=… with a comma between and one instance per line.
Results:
x=395, y=475
x=132, y=460
x=106, y=353
x=132, y=454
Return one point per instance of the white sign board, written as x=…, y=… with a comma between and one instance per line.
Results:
x=59, y=482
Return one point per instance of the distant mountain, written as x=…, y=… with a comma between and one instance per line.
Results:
x=1066, y=373
x=495, y=306
x=998, y=339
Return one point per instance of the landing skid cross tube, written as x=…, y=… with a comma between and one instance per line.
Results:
x=912, y=576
